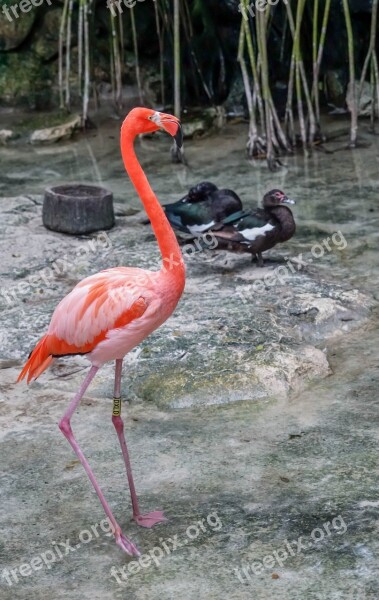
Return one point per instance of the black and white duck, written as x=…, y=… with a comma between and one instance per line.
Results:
x=204, y=207
x=260, y=230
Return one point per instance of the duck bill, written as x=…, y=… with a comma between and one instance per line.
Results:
x=286, y=200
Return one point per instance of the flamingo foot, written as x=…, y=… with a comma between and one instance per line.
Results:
x=150, y=519
x=126, y=545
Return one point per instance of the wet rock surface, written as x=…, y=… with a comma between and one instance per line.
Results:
x=50, y=135
x=251, y=411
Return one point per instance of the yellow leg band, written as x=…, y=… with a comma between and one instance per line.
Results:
x=116, y=407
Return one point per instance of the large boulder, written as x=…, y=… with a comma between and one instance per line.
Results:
x=25, y=79
x=56, y=133
x=14, y=31
x=45, y=43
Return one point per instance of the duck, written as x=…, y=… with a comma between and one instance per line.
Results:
x=258, y=231
x=205, y=206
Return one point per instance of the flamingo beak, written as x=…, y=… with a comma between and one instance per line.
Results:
x=171, y=125
x=178, y=137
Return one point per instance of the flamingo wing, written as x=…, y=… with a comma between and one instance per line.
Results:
x=99, y=304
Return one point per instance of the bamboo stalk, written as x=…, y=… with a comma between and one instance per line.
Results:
x=116, y=63
x=253, y=64
x=255, y=145
x=161, y=51
x=62, y=28
x=373, y=98
x=136, y=54
x=86, y=86
x=353, y=94
x=376, y=77
x=289, y=122
x=317, y=65
x=177, y=99
x=262, y=45
x=370, y=54
x=315, y=92
x=80, y=45
x=300, y=75
x=68, y=54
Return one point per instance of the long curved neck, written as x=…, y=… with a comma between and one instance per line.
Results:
x=171, y=254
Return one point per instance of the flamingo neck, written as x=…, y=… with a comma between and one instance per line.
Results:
x=172, y=258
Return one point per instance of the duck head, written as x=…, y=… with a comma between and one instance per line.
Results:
x=200, y=191
x=276, y=198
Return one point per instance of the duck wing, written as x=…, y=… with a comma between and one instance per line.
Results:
x=200, y=216
x=248, y=228
x=190, y=218
x=224, y=203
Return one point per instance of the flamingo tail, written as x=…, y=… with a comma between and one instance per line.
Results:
x=39, y=359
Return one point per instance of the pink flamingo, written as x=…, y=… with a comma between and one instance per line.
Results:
x=111, y=312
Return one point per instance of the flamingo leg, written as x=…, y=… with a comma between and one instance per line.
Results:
x=65, y=427
x=150, y=519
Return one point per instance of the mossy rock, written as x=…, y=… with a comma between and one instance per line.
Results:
x=25, y=79
x=45, y=43
x=13, y=32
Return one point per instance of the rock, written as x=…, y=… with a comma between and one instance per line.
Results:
x=14, y=31
x=24, y=79
x=124, y=210
x=56, y=133
x=6, y=135
x=199, y=122
x=46, y=43
x=253, y=376
x=335, y=87
x=365, y=101
x=78, y=209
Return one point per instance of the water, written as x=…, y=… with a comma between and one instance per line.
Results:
x=314, y=456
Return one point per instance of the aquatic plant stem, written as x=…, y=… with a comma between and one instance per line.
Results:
x=136, y=54
x=177, y=100
x=317, y=63
x=371, y=60
x=62, y=29
x=352, y=86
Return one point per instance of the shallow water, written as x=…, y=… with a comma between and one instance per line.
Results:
x=322, y=442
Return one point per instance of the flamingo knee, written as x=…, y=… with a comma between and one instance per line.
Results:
x=65, y=427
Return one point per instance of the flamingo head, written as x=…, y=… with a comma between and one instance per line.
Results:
x=147, y=120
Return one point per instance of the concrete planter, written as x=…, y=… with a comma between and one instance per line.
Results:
x=77, y=208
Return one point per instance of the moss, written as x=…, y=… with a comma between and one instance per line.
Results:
x=13, y=33
x=41, y=121
x=26, y=79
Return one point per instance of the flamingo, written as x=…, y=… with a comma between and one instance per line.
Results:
x=111, y=312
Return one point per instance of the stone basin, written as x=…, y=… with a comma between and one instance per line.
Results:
x=78, y=208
